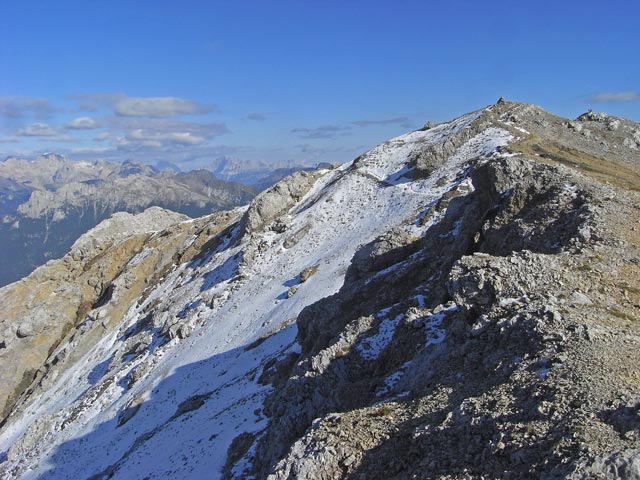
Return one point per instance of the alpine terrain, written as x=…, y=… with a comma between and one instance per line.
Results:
x=460, y=302
x=256, y=173
x=47, y=203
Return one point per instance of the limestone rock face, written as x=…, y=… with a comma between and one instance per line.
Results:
x=89, y=287
x=459, y=302
x=122, y=225
x=275, y=201
x=624, y=465
x=384, y=251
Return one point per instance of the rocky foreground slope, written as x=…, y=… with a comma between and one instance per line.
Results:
x=47, y=203
x=459, y=302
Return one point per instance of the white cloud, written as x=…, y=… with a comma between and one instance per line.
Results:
x=183, y=138
x=36, y=130
x=323, y=131
x=95, y=101
x=18, y=107
x=150, y=151
x=256, y=116
x=619, y=97
x=133, y=133
x=158, y=107
x=403, y=121
x=144, y=128
x=83, y=123
x=102, y=136
x=61, y=138
x=150, y=107
x=92, y=150
x=127, y=124
x=142, y=138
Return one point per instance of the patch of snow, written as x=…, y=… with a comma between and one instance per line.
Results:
x=455, y=231
x=466, y=185
x=389, y=383
x=431, y=323
x=543, y=372
x=505, y=302
x=419, y=227
x=391, y=380
x=434, y=334
x=421, y=299
x=371, y=347
x=571, y=190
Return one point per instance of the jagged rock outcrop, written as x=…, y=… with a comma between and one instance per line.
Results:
x=512, y=314
x=459, y=302
x=332, y=378
x=275, y=201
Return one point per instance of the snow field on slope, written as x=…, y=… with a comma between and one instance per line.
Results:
x=346, y=209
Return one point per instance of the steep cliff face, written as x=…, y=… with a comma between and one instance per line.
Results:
x=459, y=302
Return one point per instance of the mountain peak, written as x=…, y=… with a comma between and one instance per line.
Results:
x=459, y=300
x=53, y=156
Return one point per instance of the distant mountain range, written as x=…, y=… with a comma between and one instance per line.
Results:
x=258, y=173
x=47, y=203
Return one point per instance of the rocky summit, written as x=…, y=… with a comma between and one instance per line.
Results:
x=460, y=302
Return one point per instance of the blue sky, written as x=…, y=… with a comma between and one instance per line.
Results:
x=294, y=81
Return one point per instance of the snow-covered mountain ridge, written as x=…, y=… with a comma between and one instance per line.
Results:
x=430, y=309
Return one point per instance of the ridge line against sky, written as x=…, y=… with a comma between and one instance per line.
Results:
x=296, y=82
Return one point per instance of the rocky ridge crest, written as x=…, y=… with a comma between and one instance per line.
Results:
x=460, y=302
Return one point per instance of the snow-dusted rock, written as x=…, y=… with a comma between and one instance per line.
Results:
x=275, y=201
x=407, y=314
